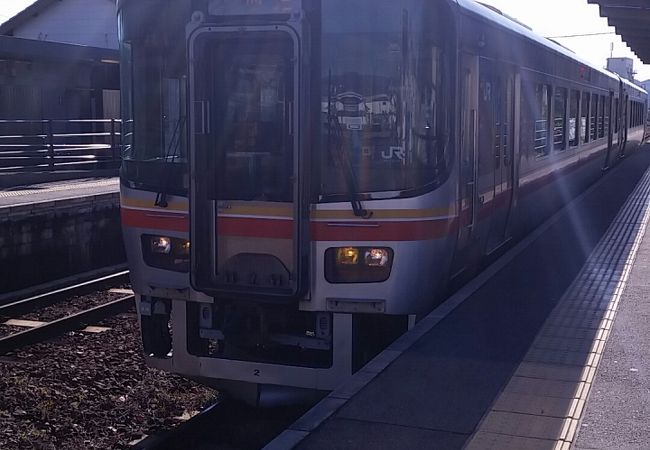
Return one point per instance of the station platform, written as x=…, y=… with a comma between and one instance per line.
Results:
x=57, y=230
x=40, y=196
x=546, y=349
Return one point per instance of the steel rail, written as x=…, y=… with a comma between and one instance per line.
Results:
x=65, y=324
x=35, y=302
x=227, y=424
x=175, y=437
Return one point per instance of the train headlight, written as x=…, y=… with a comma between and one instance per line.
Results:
x=184, y=248
x=167, y=253
x=376, y=257
x=358, y=264
x=347, y=256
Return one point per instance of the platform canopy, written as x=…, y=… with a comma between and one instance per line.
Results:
x=631, y=18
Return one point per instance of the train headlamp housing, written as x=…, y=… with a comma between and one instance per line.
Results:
x=168, y=253
x=358, y=264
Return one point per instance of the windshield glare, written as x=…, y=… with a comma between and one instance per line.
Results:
x=382, y=101
x=154, y=84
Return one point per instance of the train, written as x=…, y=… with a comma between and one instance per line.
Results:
x=303, y=180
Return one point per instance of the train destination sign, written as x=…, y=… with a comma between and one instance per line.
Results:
x=246, y=7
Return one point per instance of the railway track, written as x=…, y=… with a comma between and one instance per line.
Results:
x=43, y=331
x=226, y=425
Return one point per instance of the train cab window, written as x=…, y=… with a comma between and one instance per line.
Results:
x=593, y=123
x=385, y=91
x=542, y=119
x=154, y=93
x=252, y=97
x=601, y=117
x=584, y=117
x=559, y=119
x=574, y=107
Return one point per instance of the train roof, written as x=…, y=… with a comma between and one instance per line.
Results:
x=492, y=15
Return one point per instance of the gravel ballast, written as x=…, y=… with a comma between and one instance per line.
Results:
x=90, y=391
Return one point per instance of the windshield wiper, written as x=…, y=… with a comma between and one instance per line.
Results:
x=170, y=156
x=335, y=141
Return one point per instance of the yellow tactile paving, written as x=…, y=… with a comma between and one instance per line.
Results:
x=541, y=406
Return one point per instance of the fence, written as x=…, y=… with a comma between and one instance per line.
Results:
x=59, y=145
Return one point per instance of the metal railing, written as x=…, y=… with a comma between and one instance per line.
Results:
x=558, y=133
x=541, y=137
x=59, y=145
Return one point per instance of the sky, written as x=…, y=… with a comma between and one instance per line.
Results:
x=9, y=8
x=547, y=17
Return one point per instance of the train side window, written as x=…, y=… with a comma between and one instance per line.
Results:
x=616, y=118
x=528, y=113
x=574, y=107
x=559, y=120
x=593, y=126
x=628, y=121
x=638, y=114
x=642, y=113
x=584, y=118
x=542, y=119
x=601, y=117
x=608, y=112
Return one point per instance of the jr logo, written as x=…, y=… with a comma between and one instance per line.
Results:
x=394, y=153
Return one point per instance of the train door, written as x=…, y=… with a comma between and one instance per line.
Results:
x=245, y=202
x=467, y=197
x=623, y=129
x=496, y=149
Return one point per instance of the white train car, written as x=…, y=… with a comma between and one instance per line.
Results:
x=335, y=164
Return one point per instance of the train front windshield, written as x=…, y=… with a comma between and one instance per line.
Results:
x=252, y=84
x=154, y=94
x=383, y=96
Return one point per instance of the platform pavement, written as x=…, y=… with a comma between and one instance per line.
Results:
x=57, y=192
x=510, y=361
